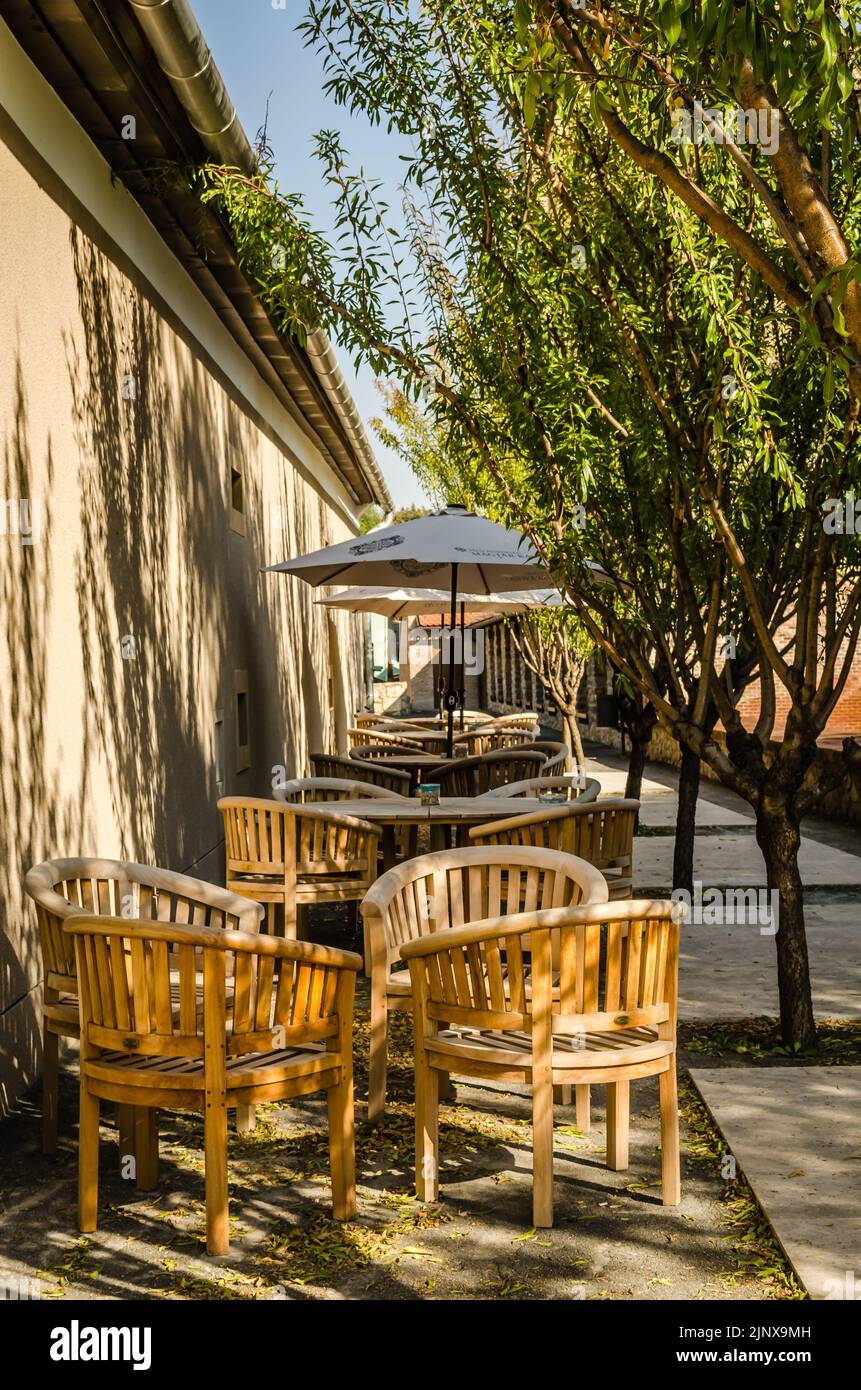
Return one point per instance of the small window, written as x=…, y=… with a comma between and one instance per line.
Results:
x=237, y=502
x=243, y=733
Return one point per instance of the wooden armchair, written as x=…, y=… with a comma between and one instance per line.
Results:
x=557, y=754
x=370, y=738
x=285, y=1031
x=63, y=889
x=296, y=856
x=490, y=740
x=316, y=789
x=472, y=776
x=523, y=719
x=355, y=770
x=445, y=890
x=611, y=1020
x=587, y=789
x=601, y=832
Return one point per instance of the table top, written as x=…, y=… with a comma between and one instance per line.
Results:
x=450, y=810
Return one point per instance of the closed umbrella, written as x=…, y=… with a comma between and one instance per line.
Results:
x=453, y=547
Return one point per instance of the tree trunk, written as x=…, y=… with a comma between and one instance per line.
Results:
x=572, y=738
x=778, y=836
x=636, y=764
x=689, y=786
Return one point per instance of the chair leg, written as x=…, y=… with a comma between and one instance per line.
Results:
x=618, y=1110
x=290, y=916
x=146, y=1147
x=50, y=1089
x=88, y=1161
x=583, y=1099
x=215, y=1159
x=245, y=1120
x=446, y=1086
x=561, y=1095
x=126, y=1141
x=342, y=1150
x=671, y=1179
x=427, y=1129
x=542, y=1151
x=377, y=1064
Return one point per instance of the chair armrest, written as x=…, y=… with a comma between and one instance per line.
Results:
x=212, y=938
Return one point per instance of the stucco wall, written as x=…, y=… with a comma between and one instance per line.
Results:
x=100, y=754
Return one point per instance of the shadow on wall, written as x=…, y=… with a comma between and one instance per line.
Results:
x=31, y=811
x=169, y=603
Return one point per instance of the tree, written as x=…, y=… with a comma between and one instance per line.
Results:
x=667, y=339
x=374, y=516
x=555, y=645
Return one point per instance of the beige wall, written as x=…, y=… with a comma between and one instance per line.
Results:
x=99, y=754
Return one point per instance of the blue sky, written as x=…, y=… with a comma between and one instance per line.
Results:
x=258, y=52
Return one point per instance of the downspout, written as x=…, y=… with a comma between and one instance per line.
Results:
x=183, y=55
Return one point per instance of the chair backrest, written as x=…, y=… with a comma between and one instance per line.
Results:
x=360, y=770
x=368, y=738
x=556, y=752
x=524, y=719
x=66, y=888
x=575, y=787
x=378, y=752
x=139, y=991
x=366, y=719
x=600, y=832
x=472, y=776
x=317, y=789
x=277, y=840
x=452, y=887
x=490, y=740
x=617, y=969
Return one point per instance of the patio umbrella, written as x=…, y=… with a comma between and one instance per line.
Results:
x=453, y=545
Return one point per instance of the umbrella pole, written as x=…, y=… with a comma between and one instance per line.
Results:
x=451, y=695
x=462, y=691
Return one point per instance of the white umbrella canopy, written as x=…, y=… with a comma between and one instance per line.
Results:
x=452, y=548
x=419, y=603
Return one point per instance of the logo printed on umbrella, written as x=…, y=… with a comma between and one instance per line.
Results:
x=382, y=543
x=412, y=568
x=493, y=554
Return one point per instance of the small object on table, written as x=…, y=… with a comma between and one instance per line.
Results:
x=429, y=793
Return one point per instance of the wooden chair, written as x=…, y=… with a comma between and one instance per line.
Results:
x=316, y=789
x=63, y=889
x=296, y=856
x=600, y=832
x=371, y=738
x=352, y=770
x=573, y=787
x=557, y=754
x=490, y=740
x=524, y=719
x=472, y=776
x=304, y=790
x=613, y=1021
x=446, y=890
x=286, y=1031
x=366, y=719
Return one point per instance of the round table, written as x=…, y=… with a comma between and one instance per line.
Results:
x=451, y=811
